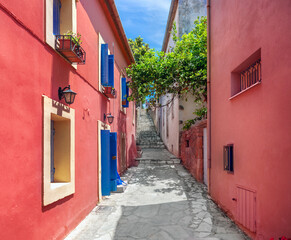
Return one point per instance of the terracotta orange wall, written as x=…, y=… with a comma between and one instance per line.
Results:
x=192, y=155
x=257, y=122
x=29, y=69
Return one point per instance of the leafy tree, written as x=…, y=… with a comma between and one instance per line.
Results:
x=181, y=71
x=138, y=47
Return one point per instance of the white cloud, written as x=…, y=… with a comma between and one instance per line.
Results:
x=147, y=18
x=146, y=5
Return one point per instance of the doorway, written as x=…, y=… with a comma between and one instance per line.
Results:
x=205, y=156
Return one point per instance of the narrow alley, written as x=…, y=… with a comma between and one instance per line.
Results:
x=162, y=201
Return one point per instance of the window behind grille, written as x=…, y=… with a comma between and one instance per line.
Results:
x=228, y=157
x=247, y=75
x=251, y=75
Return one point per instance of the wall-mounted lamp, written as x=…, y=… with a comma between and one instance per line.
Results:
x=67, y=94
x=109, y=117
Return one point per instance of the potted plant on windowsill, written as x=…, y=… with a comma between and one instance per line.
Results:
x=71, y=38
x=69, y=45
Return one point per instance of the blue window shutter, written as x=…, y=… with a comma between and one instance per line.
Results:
x=127, y=94
x=111, y=71
x=113, y=161
x=105, y=162
x=104, y=64
x=123, y=92
x=56, y=17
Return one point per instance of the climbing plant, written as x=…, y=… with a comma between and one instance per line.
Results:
x=181, y=71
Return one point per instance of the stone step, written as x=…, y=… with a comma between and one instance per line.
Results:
x=157, y=161
x=148, y=133
x=120, y=188
x=150, y=138
x=152, y=146
x=147, y=137
x=149, y=141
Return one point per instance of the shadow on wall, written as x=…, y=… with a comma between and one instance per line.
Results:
x=132, y=152
x=60, y=75
x=121, y=151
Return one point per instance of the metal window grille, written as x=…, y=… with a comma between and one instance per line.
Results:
x=251, y=75
x=228, y=158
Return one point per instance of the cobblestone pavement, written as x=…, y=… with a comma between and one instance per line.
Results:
x=161, y=202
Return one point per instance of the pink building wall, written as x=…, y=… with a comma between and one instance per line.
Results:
x=256, y=122
x=29, y=69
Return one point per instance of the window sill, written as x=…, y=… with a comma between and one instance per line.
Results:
x=241, y=92
x=58, y=185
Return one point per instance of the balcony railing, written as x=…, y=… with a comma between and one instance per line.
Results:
x=67, y=46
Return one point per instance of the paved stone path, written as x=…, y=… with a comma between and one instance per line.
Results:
x=161, y=202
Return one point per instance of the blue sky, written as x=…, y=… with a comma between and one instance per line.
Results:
x=145, y=18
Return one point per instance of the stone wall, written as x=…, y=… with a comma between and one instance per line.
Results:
x=191, y=149
x=189, y=10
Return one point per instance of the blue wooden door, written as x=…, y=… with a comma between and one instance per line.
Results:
x=105, y=162
x=113, y=161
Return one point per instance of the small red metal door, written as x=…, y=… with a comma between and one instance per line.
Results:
x=246, y=208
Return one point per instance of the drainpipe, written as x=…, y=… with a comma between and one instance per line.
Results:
x=209, y=95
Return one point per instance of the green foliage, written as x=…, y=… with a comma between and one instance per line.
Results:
x=76, y=37
x=201, y=113
x=181, y=71
x=138, y=47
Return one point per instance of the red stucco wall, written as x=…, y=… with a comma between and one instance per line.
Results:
x=30, y=69
x=192, y=154
x=257, y=122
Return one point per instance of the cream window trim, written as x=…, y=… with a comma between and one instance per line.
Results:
x=101, y=126
x=50, y=38
x=54, y=191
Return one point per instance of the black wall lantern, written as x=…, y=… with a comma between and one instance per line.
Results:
x=67, y=94
x=109, y=117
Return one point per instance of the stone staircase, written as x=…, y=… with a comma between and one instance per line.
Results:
x=152, y=147
x=147, y=136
